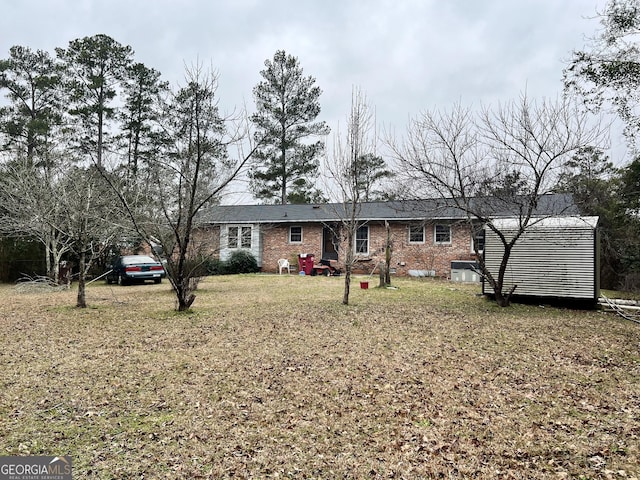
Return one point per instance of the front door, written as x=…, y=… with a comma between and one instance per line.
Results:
x=330, y=242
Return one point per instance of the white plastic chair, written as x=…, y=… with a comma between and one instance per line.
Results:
x=282, y=264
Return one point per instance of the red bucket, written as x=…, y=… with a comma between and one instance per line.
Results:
x=364, y=285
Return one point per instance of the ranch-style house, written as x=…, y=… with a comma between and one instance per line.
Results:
x=426, y=235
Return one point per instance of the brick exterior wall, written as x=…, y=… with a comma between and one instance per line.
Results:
x=428, y=255
x=206, y=242
x=405, y=255
x=275, y=245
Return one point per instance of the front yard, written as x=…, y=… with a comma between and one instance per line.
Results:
x=271, y=377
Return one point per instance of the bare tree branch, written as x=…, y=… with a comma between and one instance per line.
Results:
x=496, y=162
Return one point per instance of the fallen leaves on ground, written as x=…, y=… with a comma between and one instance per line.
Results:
x=272, y=377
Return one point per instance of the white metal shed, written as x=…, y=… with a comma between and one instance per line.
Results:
x=556, y=257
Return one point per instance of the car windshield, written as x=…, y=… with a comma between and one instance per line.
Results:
x=138, y=259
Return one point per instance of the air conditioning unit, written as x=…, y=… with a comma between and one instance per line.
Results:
x=464, y=271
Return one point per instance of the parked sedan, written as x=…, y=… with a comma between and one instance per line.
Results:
x=135, y=268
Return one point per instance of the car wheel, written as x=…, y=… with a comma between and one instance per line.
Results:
x=157, y=280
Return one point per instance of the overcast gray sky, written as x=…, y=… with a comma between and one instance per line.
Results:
x=407, y=56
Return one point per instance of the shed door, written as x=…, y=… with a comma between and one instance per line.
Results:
x=330, y=243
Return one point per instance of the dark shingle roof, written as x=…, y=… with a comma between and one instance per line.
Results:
x=408, y=210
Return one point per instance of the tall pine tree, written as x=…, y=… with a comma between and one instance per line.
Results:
x=286, y=109
x=140, y=114
x=96, y=67
x=608, y=74
x=32, y=82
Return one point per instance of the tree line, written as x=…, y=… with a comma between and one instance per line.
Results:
x=100, y=153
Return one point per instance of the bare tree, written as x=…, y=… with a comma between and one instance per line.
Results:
x=30, y=196
x=191, y=173
x=86, y=219
x=67, y=210
x=345, y=169
x=498, y=162
x=30, y=131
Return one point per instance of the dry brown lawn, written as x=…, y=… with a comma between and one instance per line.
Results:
x=271, y=377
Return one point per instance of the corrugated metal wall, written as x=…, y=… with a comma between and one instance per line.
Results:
x=549, y=261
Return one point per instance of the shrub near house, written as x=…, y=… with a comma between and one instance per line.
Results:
x=240, y=261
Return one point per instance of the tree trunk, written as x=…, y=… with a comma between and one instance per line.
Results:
x=48, y=264
x=283, y=173
x=348, y=263
x=182, y=285
x=54, y=257
x=387, y=256
x=82, y=299
x=347, y=285
x=100, y=112
x=502, y=300
x=185, y=300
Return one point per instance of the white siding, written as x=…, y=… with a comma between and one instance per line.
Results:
x=554, y=258
x=256, y=242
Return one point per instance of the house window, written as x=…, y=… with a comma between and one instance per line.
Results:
x=245, y=237
x=362, y=240
x=442, y=234
x=233, y=237
x=239, y=237
x=295, y=234
x=416, y=234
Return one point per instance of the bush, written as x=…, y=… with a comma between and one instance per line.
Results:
x=241, y=261
x=631, y=282
x=214, y=266
x=20, y=257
